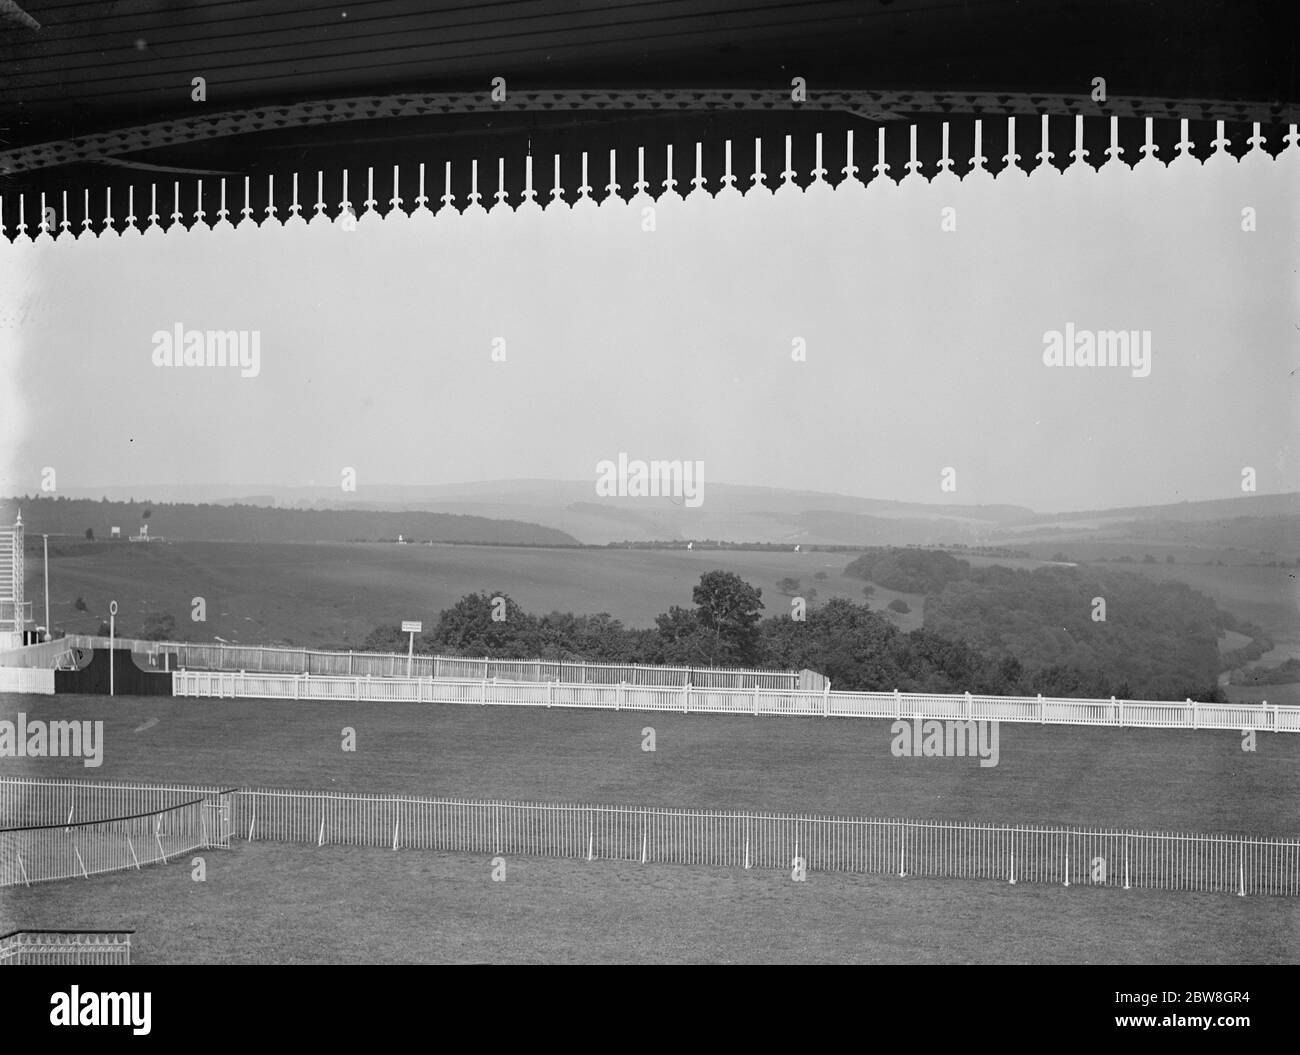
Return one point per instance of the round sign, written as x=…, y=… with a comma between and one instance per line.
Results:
x=112, y=608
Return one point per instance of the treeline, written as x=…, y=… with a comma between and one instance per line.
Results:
x=858, y=649
x=84, y=517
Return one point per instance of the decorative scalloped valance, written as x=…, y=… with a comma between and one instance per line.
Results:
x=52, y=221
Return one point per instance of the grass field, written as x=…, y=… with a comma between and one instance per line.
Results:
x=1151, y=779
x=266, y=903
x=313, y=593
x=292, y=904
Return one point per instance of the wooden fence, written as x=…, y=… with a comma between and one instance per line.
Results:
x=65, y=947
x=27, y=679
x=1066, y=855
x=757, y=701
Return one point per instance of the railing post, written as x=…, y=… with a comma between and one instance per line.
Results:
x=483, y=692
x=1196, y=715
x=618, y=697
x=898, y=704
x=968, y=706
x=826, y=699
x=686, y=699
x=1042, y=711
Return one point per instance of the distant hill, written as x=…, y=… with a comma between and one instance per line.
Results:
x=746, y=513
x=249, y=523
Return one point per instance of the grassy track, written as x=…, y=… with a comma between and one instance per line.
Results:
x=291, y=904
x=1150, y=779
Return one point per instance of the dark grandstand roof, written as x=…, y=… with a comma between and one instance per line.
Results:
x=100, y=93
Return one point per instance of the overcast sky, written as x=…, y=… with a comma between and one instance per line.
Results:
x=924, y=347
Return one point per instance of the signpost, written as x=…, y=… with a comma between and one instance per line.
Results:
x=412, y=627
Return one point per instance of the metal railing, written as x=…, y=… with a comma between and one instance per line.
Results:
x=268, y=660
x=37, y=853
x=1071, y=856
x=65, y=947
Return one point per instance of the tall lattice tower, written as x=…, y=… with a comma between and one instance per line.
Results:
x=14, y=613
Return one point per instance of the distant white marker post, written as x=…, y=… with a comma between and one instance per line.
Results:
x=112, y=633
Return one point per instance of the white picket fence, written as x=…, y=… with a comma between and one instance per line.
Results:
x=792, y=842
x=27, y=679
x=783, y=702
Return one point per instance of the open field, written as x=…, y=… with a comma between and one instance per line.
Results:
x=290, y=904
x=314, y=593
x=1150, y=779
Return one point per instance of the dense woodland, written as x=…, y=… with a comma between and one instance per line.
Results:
x=994, y=631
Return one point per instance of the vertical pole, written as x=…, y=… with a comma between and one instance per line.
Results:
x=410, y=654
x=112, y=634
x=46, y=541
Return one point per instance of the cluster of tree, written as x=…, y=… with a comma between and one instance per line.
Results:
x=1285, y=673
x=856, y=648
x=1158, y=637
x=908, y=570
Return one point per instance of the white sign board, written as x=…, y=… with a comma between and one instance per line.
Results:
x=412, y=626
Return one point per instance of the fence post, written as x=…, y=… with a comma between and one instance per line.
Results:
x=898, y=704
x=686, y=699
x=550, y=692
x=1041, y=710
x=483, y=691
x=1196, y=715
x=968, y=706
x=755, y=707
x=618, y=698
x=826, y=699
